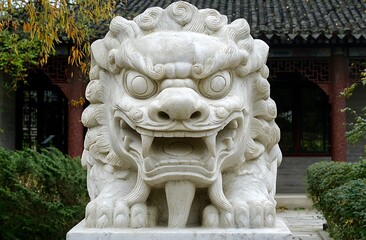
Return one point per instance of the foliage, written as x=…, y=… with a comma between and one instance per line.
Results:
x=17, y=54
x=323, y=176
x=42, y=195
x=338, y=189
x=345, y=210
x=358, y=127
x=41, y=25
x=80, y=102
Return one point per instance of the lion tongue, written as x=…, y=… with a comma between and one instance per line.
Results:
x=179, y=196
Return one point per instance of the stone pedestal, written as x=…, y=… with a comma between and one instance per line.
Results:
x=80, y=232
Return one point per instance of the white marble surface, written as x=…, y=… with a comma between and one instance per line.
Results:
x=181, y=128
x=280, y=232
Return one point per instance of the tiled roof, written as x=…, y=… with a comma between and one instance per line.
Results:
x=289, y=18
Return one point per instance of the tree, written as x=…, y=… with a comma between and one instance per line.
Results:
x=30, y=30
x=358, y=127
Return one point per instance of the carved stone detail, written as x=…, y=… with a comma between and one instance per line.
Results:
x=181, y=127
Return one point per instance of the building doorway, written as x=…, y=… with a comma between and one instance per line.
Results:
x=304, y=117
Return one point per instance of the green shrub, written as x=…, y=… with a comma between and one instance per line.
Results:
x=345, y=210
x=359, y=170
x=338, y=190
x=42, y=195
x=323, y=176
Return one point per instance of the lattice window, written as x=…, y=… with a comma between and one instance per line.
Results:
x=30, y=123
x=314, y=70
x=56, y=69
x=43, y=114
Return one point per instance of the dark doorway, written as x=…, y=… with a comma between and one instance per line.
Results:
x=41, y=114
x=303, y=115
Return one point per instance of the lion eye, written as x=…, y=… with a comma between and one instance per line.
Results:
x=216, y=86
x=139, y=86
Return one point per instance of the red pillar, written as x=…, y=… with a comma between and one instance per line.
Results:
x=75, y=129
x=339, y=80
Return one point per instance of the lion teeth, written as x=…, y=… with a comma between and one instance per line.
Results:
x=211, y=144
x=146, y=142
x=233, y=124
x=123, y=124
x=126, y=142
x=229, y=143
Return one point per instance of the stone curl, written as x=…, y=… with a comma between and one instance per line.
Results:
x=265, y=133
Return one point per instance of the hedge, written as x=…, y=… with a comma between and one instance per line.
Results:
x=42, y=194
x=345, y=208
x=338, y=190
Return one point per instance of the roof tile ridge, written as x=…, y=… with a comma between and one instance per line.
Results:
x=270, y=16
x=222, y=8
x=350, y=18
x=361, y=6
x=318, y=15
x=338, y=23
x=238, y=8
x=287, y=19
x=327, y=16
x=304, y=20
x=253, y=9
x=309, y=11
x=277, y=17
x=229, y=11
x=262, y=14
x=341, y=15
x=297, y=14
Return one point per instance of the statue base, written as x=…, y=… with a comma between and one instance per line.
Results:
x=280, y=232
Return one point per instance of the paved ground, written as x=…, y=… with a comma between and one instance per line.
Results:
x=304, y=224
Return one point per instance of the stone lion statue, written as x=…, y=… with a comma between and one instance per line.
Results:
x=181, y=127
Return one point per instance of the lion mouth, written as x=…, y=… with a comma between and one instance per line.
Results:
x=185, y=152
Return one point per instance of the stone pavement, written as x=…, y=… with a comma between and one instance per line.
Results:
x=304, y=224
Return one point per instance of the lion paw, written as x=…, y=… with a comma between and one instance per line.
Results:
x=254, y=214
x=212, y=217
x=116, y=213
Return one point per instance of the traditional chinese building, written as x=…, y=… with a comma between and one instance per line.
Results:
x=317, y=48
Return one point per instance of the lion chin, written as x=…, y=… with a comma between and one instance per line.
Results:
x=181, y=128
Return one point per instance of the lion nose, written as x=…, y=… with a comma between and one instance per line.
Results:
x=178, y=104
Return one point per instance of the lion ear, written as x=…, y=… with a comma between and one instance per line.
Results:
x=99, y=54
